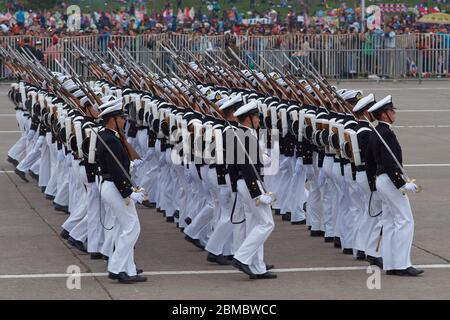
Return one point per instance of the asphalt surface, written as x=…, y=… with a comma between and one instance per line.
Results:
x=34, y=260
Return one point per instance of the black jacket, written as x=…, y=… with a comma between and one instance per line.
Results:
x=378, y=158
x=110, y=170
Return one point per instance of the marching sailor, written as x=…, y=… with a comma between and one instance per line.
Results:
x=117, y=193
x=385, y=176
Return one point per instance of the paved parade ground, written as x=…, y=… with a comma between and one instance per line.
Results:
x=34, y=259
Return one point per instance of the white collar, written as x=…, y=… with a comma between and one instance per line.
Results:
x=389, y=124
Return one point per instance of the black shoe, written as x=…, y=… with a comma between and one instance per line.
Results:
x=148, y=204
x=21, y=174
x=329, y=239
x=409, y=272
x=158, y=210
x=373, y=261
x=164, y=213
x=123, y=277
x=170, y=219
x=337, y=242
x=299, y=222
x=96, y=256
x=390, y=272
x=64, y=234
x=77, y=244
x=176, y=214
x=347, y=251
x=242, y=267
x=43, y=189
x=309, y=228
x=360, y=255
x=49, y=197
x=211, y=257
x=113, y=276
x=188, y=221
x=220, y=259
x=267, y=275
x=286, y=217
x=181, y=229
x=60, y=208
x=139, y=271
x=317, y=233
x=277, y=212
x=269, y=267
x=34, y=175
x=189, y=239
x=14, y=162
x=198, y=244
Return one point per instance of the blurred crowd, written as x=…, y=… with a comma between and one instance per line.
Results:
x=137, y=19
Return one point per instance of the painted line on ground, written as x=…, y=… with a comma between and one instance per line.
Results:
x=431, y=126
x=420, y=165
x=402, y=89
x=422, y=110
x=203, y=272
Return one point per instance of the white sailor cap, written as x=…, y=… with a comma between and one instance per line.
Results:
x=385, y=103
x=231, y=102
x=84, y=100
x=78, y=94
x=194, y=120
x=69, y=85
x=364, y=103
x=111, y=108
x=249, y=108
x=352, y=94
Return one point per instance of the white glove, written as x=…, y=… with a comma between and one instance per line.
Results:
x=266, y=199
x=188, y=177
x=131, y=140
x=61, y=156
x=136, y=163
x=168, y=156
x=309, y=172
x=149, y=154
x=266, y=160
x=298, y=168
x=162, y=159
x=410, y=186
x=322, y=178
x=40, y=142
x=137, y=197
x=284, y=164
x=31, y=135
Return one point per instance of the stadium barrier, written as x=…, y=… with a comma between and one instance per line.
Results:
x=335, y=56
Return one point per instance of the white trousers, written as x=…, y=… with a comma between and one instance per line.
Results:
x=94, y=227
x=259, y=225
x=367, y=228
x=398, y=225
x=223, y=228
x=314, y=206
x=128, y=230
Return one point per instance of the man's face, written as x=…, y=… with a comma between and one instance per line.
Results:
x=391, y=115
x=255, y=120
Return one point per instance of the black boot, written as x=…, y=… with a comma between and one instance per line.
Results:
x=360, y=255
x=64, y=234
x=21, y=174
x=337, y=242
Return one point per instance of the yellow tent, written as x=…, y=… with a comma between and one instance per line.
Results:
x=436, y=18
